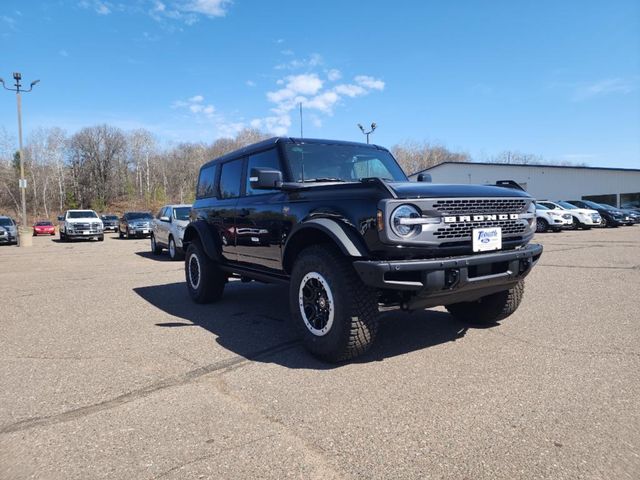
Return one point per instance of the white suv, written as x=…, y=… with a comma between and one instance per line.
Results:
x=547, y=219
x=168, y=230
x=80, y=224
x=582, y=217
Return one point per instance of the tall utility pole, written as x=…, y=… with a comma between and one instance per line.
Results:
x=373, y=127
x=17, y=76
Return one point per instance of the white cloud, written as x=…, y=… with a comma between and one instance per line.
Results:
x=250, y=83
x=369, y=82
x=334, y=75
x=287, y=52
x=350, y=90
x=314, y=60
x=195, y=105
x=605, y=87
x=209, y=8
x=311, y=91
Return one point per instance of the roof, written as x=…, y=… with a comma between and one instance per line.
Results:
x=536, y=165
x=264, y=144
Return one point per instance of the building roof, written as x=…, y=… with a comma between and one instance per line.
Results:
x=536, y=165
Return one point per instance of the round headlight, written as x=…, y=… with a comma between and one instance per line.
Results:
x=401, y=213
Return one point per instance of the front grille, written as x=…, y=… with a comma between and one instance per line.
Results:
x=467, y=206
x=462, y=230
x=86, y=227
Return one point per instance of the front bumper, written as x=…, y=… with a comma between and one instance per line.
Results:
x=110, y=228
x=140, y=232
x=450, y=280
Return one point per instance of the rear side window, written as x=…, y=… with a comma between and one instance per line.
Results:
x=206, y=182
x=268, y=159
x=230, y=177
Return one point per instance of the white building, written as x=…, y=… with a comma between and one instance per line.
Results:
x=616, y=186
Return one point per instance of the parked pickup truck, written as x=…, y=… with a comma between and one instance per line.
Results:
x=76, y=224
x=349, y=234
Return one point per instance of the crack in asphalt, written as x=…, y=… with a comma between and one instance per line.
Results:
x=209, y=455
x=173, y=381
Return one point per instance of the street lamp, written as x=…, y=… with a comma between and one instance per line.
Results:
x=17, y=76
x=373, y=127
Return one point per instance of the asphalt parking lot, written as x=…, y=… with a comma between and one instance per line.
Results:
x=109, y=371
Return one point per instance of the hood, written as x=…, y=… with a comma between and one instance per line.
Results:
x=83, y=220
x=430, y=190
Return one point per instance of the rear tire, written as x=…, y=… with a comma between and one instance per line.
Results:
x=155, y=248
x=174, y=253
x=490, y=309
x=335, y=314
x=205, y=279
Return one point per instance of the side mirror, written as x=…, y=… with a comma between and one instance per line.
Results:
x=424, y=177
x=60, y=218
x=165, y=219
x=265, y=178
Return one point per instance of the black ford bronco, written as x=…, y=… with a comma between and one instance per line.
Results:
x=342, y=225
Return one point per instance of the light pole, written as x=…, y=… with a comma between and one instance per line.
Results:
x=373, y=127
x=17, y=76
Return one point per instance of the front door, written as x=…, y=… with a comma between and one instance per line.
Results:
x=259, y=217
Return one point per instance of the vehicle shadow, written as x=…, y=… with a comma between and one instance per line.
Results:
x=163, y=257
x=251, y=320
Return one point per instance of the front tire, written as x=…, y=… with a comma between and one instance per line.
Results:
x=205, y=279
x=335, y=314
x=101, y=238
x=490, y=309
x=541, y=225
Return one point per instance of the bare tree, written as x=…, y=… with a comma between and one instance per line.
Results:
x=417, y=156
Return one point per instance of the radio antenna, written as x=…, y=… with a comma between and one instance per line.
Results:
x=301, y=131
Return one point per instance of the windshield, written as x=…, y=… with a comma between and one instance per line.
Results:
x=138, y=216
x=567, y=205
x=541, y=207
x=44, y=224
x=6, y=222
x=181, y=213
x=346, y=163
x=591, y=204
x=110, y=217
x=82, y=214
x=608, y=207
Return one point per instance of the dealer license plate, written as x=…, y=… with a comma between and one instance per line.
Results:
x=486, y=239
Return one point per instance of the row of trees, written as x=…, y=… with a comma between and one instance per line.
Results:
x=106, y=168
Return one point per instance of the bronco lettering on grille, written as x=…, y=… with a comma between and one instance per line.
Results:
x=481, y=218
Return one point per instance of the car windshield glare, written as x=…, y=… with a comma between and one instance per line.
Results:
x=82, y=214
x=567, y=205
x=181, y=213
x=347, y=163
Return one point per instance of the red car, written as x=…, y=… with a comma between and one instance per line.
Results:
x=44, y=228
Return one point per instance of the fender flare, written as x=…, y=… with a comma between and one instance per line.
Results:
x=349, y=243
x=200, y=229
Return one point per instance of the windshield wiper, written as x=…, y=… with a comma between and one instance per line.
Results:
x=322, y=179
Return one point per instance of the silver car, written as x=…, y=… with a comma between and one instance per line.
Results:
x=9, y=225
x=168, y=228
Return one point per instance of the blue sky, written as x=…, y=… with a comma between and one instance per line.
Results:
x=558, y=79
